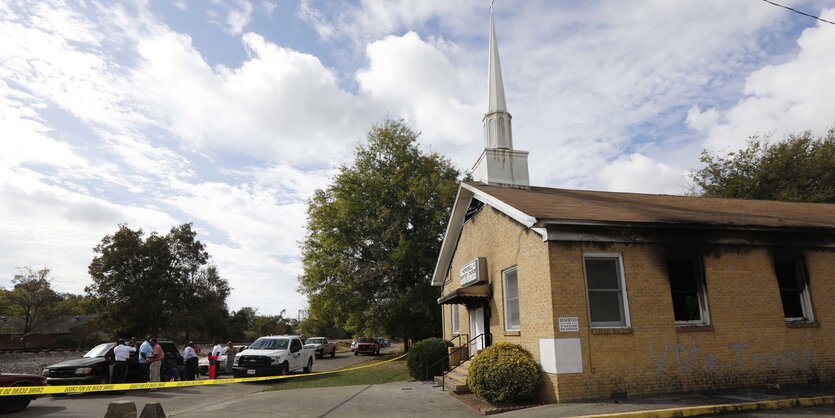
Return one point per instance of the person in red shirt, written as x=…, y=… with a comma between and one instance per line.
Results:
x=155, y=360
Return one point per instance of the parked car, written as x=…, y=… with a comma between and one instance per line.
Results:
x=93, y=367
x=365, y=345
x=383, y=342
x=203, y=364
x=10, y=404
x=274, y=355
x=321, y=345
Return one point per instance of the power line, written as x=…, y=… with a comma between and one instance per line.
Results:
x=798, y=11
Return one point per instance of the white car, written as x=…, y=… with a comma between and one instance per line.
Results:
x=203, y=364
x=274, y=355
x=322, y=346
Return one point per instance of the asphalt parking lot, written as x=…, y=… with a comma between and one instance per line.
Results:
x=175, y=401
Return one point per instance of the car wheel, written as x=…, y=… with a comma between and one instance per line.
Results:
x=285, y=369
x=356, y=353
x=309, y=367
x=333, y=352
x=9, y=404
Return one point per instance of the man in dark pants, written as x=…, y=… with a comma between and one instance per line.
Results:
x=190, y=359
x=122, y=354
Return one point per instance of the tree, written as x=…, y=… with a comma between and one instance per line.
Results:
x=374, y=235
x=800, y=169
x=271, y=325
x=159, y=283
x=31, y=298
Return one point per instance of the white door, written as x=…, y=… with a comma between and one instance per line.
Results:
x=476, y=328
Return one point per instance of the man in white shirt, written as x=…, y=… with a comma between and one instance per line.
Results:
x=190, y=360
x=121, y=353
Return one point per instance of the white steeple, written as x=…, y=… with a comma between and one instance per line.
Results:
x=499, y=164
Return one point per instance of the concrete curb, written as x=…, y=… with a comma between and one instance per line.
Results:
x=692, y=411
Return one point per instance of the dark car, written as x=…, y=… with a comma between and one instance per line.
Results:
x=94, y=367
x=365, y=345
x=17, y=403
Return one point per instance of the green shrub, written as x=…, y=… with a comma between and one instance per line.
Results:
x=503, y=373
x=427, y=353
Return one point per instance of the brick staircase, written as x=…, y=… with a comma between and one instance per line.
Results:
x=456, y=380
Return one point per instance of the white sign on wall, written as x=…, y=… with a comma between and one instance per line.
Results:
x=473, y=272
x=561, y=355
x=569, y=324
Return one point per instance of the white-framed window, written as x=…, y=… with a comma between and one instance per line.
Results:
x=456, y=322
x=794, y=288
x=606, y=289
x=510, y=287
x=688, y=289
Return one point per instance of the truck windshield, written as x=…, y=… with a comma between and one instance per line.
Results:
x=315, y=341
x=99, y=350
x=270, y=344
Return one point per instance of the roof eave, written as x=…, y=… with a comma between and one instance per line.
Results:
x=456, y=222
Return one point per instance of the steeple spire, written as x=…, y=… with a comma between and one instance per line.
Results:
x=497, y=128
x=499, y=163
x=494, y=74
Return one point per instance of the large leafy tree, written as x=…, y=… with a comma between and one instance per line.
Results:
x=374, y=235
x=799, y=169
x=31, y=298
x=156, y=284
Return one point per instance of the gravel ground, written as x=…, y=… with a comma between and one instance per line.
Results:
x=34, y=363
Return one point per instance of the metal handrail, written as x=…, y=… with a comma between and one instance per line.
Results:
x=427, y=365
x=459, y=348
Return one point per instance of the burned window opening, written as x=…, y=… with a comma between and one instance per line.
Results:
x=687, y=288
x=794, y=293
x=475, y=206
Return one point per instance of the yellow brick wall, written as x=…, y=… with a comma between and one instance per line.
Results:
x=506, y=243
x=748, y=342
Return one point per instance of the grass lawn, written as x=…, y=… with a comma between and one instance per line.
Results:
x=395, y=371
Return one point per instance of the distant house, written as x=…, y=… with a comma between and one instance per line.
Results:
x=65, y=331
x=621, y=294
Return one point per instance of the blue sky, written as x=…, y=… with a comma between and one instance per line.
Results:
x=229, y=113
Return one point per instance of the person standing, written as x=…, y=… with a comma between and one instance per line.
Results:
x=121, y=353
x=230, y=357
x=156, y=358
x=190, y=358
x=145, y=351
x=216, y=350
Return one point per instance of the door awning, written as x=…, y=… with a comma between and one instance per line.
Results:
x=465, y=295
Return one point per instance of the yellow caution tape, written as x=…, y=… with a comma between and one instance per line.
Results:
x=52, y=390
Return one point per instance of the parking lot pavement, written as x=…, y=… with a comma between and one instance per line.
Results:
x=174, y=401
x=397, y=399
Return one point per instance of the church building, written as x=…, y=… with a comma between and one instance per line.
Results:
x=623, y=294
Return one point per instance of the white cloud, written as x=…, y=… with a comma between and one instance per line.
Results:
x=415, y=80
x=280, y=104
x=640, y=174
x=237, y=18
x=792, y=96
x=313, y=17
x=269, y=7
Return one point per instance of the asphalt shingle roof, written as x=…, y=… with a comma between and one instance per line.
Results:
x=551, y=204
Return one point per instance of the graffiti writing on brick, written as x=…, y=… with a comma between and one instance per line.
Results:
x=687, y=357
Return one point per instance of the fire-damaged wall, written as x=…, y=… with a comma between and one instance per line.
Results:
x=745, y=338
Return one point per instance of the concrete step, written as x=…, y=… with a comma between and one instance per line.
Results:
x=452, y=384
x=460, y=375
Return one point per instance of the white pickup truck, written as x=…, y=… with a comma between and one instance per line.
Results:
x=274, y=355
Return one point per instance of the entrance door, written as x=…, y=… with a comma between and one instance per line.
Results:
x=476, y=328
